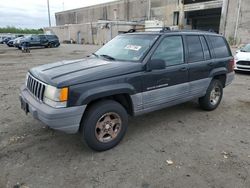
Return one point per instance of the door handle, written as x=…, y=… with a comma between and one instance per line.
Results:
x=210, y=64
x=183, y=69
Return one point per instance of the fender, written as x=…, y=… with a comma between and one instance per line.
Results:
x=105, y=91
x=218, y=71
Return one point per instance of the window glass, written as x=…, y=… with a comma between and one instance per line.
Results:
x=42, y=37
x=205, y=47
x=35, y=38
x=195, y=52
x=220, y=47
x=130, y=47
x=246, y=48
x=170, y=50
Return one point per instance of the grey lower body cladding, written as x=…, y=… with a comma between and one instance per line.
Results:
x=63, y=119
x=168, y=96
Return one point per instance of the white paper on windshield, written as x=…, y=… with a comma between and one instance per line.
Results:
x=132, y=47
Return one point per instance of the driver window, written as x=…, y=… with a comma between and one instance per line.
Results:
x=170, y=50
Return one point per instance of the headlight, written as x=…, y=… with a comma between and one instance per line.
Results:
x=55, y=97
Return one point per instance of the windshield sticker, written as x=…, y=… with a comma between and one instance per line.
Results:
x=132, y=47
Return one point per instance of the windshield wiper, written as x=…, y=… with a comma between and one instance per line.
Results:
x=95, y=54
x=107, y=57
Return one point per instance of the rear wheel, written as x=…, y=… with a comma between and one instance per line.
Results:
x=49, y=45
x=104, y=125
x=213, y=96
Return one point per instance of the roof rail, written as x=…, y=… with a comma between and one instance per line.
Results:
x=165, y=29
x=168, y=29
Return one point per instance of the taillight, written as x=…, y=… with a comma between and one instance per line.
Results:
x=231, y=65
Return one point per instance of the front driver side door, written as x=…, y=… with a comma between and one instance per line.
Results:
x=165, y=87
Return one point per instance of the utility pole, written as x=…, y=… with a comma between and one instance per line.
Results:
x=149, y=9
x=181, y=14
x=223, y=18
x=237, y=22
x=49, y=13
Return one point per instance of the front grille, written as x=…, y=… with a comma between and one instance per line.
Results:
x=36, y=87
x=243, y=63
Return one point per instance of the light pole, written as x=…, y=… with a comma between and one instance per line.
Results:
x=49, y=13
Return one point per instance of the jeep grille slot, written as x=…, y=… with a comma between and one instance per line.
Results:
x=36, y=87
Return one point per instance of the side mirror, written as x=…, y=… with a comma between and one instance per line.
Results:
x=155, y=64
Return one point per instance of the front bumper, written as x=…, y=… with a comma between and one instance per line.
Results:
x=63, y=119
x=242, y=67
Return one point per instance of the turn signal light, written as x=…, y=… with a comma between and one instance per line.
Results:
x=64, y=94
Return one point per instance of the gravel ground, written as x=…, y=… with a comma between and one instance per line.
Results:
x=181, y=146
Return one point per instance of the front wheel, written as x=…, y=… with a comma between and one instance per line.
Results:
x=104, y=125
x=213, y=96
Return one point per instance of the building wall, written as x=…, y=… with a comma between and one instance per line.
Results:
x=91, y=33
x=124, y=10
x=163, y=10
x=243, y=31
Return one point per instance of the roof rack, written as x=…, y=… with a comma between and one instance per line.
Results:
x=168, y=29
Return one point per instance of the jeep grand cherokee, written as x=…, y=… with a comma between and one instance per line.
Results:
x=133, y=74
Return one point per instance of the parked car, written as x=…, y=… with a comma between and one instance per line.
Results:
x=17, y=41
x=39, y=41
x=133, y=74
x=242, y=59
x=1, y=39
x=53, y=41
x=10, y=43
x=6, y=40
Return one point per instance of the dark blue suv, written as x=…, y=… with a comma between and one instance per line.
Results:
x=133, y=74
x=48, y=41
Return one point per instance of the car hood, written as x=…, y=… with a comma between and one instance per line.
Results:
x=66, y=73
x=243, y=56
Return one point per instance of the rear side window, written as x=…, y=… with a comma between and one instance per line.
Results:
x=205, y=47
x=195, y=52
x=42, y=37
x=220, y=46
x=51, y=36
x=170, y=50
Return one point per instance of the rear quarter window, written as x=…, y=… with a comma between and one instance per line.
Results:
x=220, y=46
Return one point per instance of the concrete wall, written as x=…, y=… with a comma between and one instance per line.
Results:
x=243, y=31
x=163, y=10
x=91, y=33
x=70, y=32
x=123, y=10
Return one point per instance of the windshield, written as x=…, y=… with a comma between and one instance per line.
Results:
x=246, y=48
x=127, y=47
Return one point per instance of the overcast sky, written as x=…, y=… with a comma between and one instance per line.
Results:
x=34, y=13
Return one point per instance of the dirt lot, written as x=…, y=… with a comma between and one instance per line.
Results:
x=208, y=149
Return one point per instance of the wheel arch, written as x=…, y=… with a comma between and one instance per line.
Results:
x=219, y=74
x=122, y=98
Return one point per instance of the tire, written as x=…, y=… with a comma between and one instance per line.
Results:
x=49, y=45
x=213, y=96
x=57, y=45
x=103, y=119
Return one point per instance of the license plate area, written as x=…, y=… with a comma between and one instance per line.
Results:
x=24, y=106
